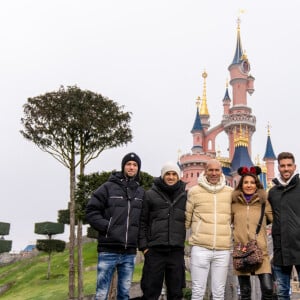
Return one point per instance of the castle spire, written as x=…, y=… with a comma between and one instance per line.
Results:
x=197, y=123
x=197, y=131
x=238, y=50
x=269, y=154
x=226, y=96
x=269, y=158
x=203, y=108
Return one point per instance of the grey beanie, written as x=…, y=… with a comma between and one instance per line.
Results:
x=170, y=166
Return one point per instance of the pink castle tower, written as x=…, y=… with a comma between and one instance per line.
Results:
x=237, y=122
x=269, y=159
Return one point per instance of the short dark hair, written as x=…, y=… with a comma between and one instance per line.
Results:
x=285, y=155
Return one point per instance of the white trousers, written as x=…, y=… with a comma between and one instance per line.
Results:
x=204, y=260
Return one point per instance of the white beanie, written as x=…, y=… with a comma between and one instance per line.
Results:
x=170, y=166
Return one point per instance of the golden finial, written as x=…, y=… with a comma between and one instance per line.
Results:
x=268, y=128
x=240, y=12
x=257, y=160
x=203, y=108
x=198, y=101
x=244, y=56
x=226, y=82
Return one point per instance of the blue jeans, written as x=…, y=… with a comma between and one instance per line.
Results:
x=107, y=264
x=282, y=275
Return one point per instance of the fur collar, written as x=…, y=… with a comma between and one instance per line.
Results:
x=261, y=195
x=213, y=188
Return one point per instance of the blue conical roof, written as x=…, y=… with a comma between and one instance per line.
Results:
x=238, y=50
x=241, y=158
x=226, y=96
x=269, y=154
x=197, y=124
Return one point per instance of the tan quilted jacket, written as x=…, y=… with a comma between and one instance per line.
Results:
x=208, y=214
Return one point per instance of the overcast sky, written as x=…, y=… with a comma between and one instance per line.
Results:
x=149, y=57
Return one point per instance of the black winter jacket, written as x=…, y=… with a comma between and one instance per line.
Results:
x=162, y=220
x=114, y=211
x=285, y=202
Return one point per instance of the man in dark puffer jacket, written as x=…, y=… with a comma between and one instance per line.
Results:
x=162, y=235
x=114, y=211
x=284, y=198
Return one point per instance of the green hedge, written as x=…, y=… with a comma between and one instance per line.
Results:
x=50, y=245
x=49, y=228
x=5, y=246
x=4, y=228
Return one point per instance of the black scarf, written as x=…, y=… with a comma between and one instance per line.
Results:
x=170, y=190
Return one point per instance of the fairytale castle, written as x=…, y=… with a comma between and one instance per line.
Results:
x=237, y=122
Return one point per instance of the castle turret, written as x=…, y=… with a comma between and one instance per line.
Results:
x=269, y=158
x=226, y=101
x=242, y=83
x=197, y=131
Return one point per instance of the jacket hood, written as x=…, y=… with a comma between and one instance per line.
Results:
x=237, y=196
x=292, y=180
x=211, y=187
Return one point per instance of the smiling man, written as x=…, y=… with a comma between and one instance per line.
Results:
x=114, y=211
x=208, y=214
x=162, y=235
x=284, y=197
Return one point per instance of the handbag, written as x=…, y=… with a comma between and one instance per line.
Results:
x=248, y=257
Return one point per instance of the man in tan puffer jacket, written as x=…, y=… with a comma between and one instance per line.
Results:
x=208, y=214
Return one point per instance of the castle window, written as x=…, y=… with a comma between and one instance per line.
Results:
x=209, y=145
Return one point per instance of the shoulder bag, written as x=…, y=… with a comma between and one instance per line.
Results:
x=248, y=257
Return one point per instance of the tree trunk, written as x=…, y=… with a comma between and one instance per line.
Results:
x=79, y=237
x=72, y=230
x=80, y=260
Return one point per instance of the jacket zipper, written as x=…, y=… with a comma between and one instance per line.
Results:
x=215, y=216
x=127, y=225
x=108, y=226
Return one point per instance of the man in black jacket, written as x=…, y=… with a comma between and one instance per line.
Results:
x=114, y=211
x=285, y=201
x=162, y=235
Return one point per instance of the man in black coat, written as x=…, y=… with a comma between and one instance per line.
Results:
x=285, y=201
x=114, y=211
x=162, y=235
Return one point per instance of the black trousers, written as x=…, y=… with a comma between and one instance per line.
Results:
x=266, y=286
x=160, y=266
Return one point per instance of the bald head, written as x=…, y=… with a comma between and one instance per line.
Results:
x=213, y=171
